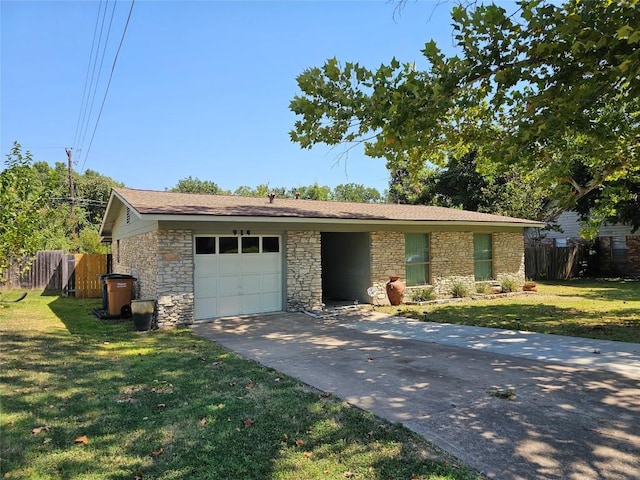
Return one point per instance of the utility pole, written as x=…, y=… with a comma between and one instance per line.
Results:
x=71, y=189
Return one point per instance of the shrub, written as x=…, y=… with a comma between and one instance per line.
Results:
x=423, y=295
x=459, y=288
x=483, y=288
x=510, y=284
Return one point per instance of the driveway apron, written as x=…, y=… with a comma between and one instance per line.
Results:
x=507, y=416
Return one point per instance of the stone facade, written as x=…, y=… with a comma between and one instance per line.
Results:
x=304, y=271
x=451, y=261
x=137, y=256
x=162, y=263
x=387, y=259
x=175, y=277
x=508, y=256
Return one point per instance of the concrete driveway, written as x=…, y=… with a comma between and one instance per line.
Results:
x=572, y=417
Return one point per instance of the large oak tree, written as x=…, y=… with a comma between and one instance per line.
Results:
x=550, y=89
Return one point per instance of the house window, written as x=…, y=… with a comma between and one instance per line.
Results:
x=416, y=254
x=205, y=245
x=482, y=256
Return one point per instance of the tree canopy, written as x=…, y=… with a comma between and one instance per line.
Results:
x=545, y=88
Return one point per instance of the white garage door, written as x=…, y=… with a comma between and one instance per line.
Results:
x=237, y=275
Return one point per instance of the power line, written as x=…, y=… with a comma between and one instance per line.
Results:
x=104, y=98
x=76, y=137
x=86, y=114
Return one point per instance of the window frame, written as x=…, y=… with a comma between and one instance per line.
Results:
x=477, y=262
x=426, y=264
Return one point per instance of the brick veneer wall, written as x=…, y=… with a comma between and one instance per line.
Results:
x=304, y=271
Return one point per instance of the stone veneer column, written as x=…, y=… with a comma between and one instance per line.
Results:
x=175, y=277
x=387, y=259
x=508, y=255
x=304, y=271
x=451, y=259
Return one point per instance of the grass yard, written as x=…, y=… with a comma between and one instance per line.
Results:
x=84, y=398
x=604, y=309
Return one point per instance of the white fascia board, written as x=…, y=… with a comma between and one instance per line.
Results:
x=325, y=220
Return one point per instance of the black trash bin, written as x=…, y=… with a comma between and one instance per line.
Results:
x=143, y=312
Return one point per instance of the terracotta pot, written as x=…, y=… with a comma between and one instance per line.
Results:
x=395, y=290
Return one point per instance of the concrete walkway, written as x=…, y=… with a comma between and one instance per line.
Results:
x=513, y=405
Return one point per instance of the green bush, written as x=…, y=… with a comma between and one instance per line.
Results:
x=510, y=284
x=423, y=295
x=483, y=288
x=459, y=288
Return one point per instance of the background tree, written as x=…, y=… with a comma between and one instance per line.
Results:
x=195, y=185
x=351, y=192
x=551, y=89
x=22, y=201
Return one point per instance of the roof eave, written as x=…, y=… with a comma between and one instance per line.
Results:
x=359, y=221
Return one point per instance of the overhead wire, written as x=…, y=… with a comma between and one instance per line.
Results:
x=85, y=114
x=104, y=51
x=104, y=98
x=76, y=137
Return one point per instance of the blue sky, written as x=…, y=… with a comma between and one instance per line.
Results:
x=199, y=89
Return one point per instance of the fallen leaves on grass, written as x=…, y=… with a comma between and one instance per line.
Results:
x=247, y=422
x=83, y=439
x=308, y=454
x=250, y=384
x=44, y=428
x=138, y=475
x=299, y=442
x=202, y=421
x=157, y=452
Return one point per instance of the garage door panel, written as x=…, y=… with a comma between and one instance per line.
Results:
x=251, y=284
x=206, y=287
x=251, y=264
x=229, y=264
x=228, y=285
x=251, y=303
x=271, y=263
x=272, y=282
x=271, y=302
x=229, y=306
x=237, y=283
x=204, y=308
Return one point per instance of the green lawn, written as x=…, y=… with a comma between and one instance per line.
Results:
x=606, y=309
x=84, y=398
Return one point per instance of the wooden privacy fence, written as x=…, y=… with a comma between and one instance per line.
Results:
x=554, y=263
x=75, y=274
x=87, y=269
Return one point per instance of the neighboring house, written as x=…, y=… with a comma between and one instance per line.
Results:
x=207, y=256
x=617, y=249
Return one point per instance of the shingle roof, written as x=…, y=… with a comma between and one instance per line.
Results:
x=148, y=202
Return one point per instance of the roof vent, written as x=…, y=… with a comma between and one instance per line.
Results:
x=272, y=196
